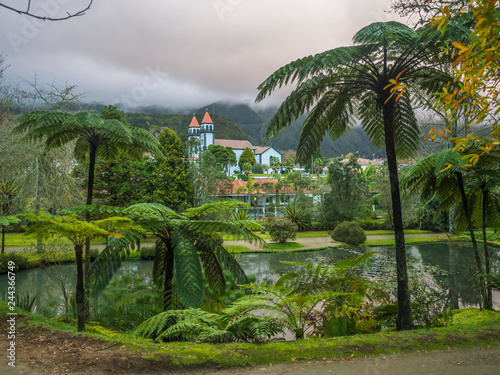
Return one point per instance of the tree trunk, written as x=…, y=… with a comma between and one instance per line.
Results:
x=80, y=293
x=39, y=241
x=90, y=189
x=470, y=227
x=169, y=275
x=488, y=303
x=404, y=320
x=3, y=239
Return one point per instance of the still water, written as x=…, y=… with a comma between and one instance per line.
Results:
x=47, y=283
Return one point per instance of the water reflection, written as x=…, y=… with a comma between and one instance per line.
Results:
x=457, y=283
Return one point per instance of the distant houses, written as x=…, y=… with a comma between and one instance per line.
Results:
x=205, y=134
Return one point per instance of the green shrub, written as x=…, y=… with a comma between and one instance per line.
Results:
x=20, y=260
x=282, y=230
x=371, y=224
x=349, y=232
x=257, y=169
x=147, y=253
x=299, y=216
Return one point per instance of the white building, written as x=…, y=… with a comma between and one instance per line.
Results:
x=205, y=135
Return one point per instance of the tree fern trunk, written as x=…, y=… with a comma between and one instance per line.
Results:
x=90, y=189
x=488, y=303
x=470, y=227
x=80, y=293
x=39, y=161
x=3, y=239
x=404, y=320
x=169, y=275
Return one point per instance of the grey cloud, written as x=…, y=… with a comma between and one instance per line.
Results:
x=209, y=53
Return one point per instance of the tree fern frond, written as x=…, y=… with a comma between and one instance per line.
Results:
x=227, y=261
x=187, y=271
x=211, y=266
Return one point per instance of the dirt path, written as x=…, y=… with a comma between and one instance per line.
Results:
x=317, y=242
x=39, y=351
x=443, y=362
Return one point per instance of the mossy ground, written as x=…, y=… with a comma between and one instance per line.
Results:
x=470, y=328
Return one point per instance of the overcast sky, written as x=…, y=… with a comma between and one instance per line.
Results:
x=178, y=54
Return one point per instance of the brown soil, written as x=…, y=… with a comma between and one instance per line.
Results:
x=41, y=351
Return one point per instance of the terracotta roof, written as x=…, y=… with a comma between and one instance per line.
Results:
x=362, y=161
x=242, y=184
x=194, y=123
x=261, y=149
x=207, y=119
x=237, y=144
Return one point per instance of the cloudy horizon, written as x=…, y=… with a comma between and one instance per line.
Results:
x=176, y=54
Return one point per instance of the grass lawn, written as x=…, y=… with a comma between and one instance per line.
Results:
x=19, y=239
x=236, y=248
x=387, y=232
x=285, y=245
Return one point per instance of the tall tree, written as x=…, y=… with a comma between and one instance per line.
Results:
x=9, y=196
x=224, y=156
x=189, y=247
x=170, y=176
x=349, y=190
x=124, y=182
x=473, y=190
x=247, y=156
x=476, y=74
x=372, y=81
x=208, y=182
x=78, y=232
x=101, y=135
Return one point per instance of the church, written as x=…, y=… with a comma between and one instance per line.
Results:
x=205, y=134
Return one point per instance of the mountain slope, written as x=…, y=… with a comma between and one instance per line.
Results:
x=224, y=129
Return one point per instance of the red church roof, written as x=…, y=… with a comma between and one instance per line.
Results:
x=207, y=119
x=194, y=123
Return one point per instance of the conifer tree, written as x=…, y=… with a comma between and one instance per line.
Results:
x=170, y=176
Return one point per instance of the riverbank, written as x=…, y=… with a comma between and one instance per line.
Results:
x=49, y=345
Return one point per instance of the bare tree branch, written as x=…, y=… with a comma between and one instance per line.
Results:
x=28, y=12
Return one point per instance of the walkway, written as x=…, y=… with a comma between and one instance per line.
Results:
x=320, y=242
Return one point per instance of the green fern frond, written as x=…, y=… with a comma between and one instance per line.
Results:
x=187, y=271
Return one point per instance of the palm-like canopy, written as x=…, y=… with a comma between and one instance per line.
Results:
x=375, y=82
x=94, y=135
x=189, y=247
x=339, y=86
x=442, y=174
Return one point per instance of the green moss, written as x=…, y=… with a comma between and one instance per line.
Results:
x=152, y=358
x=471, y=328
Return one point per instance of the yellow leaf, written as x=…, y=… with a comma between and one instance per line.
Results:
x=449, y=165
x=447, y=11
x=462, y=47
x=429, y=133
x=442, y=134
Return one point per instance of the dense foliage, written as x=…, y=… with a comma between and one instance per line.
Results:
x=170, y=176
x=349, y=232
x=282, y=230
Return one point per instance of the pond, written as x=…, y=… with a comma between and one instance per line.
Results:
x=455, y=260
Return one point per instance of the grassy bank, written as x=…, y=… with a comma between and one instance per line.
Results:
x=470, y=328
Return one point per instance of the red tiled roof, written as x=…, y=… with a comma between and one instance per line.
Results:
x=194, y=123
x=207, y=119
x=261, y=149
x=237, y=144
